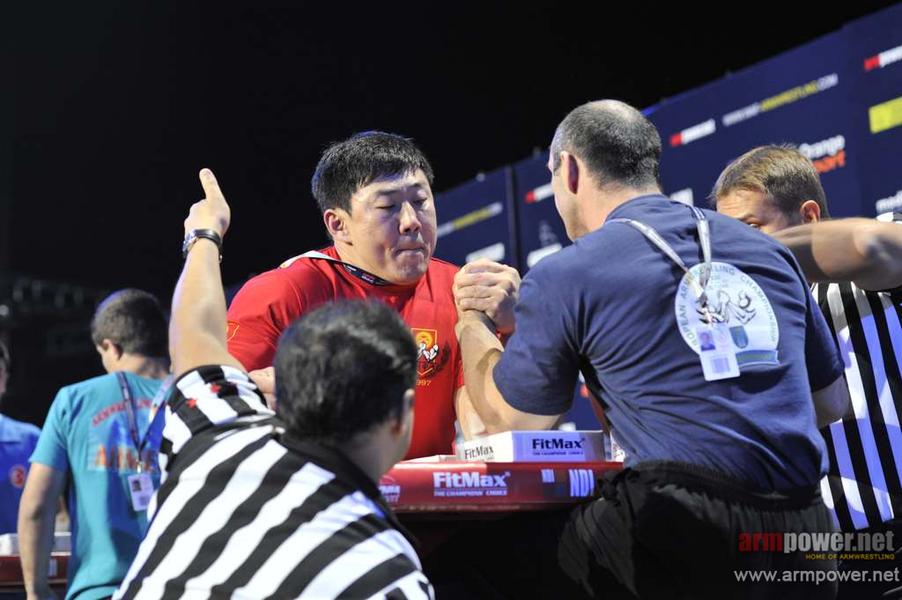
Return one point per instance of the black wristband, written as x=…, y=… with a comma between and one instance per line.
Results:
x=196, y=234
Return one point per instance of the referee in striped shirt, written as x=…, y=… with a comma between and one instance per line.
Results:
x=256, y=504
x=856, y=268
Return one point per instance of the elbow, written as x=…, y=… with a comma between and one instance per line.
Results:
x=839, y=408
x=880, y=245
x=832, y=403
x=833, y=413
x=31, y=513
x=496, y=427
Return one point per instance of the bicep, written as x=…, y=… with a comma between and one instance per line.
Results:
x=43, y=487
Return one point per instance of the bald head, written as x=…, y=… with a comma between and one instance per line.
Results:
x=618, y=144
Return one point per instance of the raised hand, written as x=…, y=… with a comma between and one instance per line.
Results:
x=213, y=211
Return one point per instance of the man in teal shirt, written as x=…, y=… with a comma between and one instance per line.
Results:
x=100, y=442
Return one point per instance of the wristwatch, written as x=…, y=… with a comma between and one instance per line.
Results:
x=196, y=234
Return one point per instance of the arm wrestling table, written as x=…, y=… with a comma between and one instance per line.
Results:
x=432, y=497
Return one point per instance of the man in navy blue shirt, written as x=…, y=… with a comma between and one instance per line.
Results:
x=695, y=333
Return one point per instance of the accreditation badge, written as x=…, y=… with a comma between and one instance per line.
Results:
x=140, y=487
x=743, y=320
x=716, y=352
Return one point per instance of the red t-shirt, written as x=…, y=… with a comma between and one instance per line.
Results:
x=267, y=304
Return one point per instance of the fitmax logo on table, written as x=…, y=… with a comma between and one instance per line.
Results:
x=469, y=483
x=557, y=444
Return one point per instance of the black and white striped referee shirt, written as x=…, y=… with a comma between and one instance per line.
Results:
x=248, y=511
x=863, y=486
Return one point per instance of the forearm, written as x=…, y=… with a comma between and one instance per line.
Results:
x=35, y=529
x=470, y=424
x=480, y=351
x=197, y=329
x=865, y=251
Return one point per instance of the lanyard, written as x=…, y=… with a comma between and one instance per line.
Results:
x=130, y=411
x=355, y=271
x=704, y=235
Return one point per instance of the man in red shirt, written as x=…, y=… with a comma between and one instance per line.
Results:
x=374, y=191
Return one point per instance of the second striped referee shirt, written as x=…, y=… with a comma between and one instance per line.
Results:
x=246, y=510
x=864, y=484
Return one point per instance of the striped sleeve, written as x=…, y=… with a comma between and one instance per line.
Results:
x=864, y=481
x=208, y=397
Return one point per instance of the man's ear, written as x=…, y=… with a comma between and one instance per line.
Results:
x=336, y=221
x=106, y=345
x=570, y=172
x=810, y=211
x=404, y=422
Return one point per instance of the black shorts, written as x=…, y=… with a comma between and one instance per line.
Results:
x=661, y=530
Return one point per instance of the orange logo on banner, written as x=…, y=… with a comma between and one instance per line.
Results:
x=231, y=330
x=829, y=163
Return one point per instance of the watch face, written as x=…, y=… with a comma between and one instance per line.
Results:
x=186, y=245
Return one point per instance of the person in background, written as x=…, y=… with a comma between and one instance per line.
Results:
x=17, y=442
x=855, y=266
x=100, y=443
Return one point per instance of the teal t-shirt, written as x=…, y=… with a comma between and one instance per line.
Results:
x=87, y=435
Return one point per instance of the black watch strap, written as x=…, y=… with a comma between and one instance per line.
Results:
x=196, y=234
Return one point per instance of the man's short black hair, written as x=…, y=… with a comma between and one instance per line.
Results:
x=133, y=320
x=347, y=166
x=342, y=369
x=618, y=144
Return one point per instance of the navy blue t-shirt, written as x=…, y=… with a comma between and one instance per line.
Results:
x=606, y=305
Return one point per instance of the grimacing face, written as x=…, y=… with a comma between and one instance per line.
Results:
x=754, y=209
x=392, y=227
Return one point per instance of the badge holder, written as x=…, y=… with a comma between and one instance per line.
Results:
x=715, y=345
x=716, y=352
x=140, y=486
